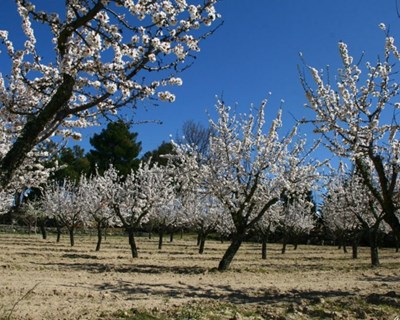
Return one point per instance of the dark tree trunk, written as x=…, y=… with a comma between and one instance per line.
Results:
x=132, y=243
x=295, y=244
x=71, y=236
x=181, y=234
x=202, y=244
x=58, y=233
x=99, y=236
x=42, y=226
x=284, y=245
x=264, y=241
x=230, y=252
x=171, y=237
x=160, y=239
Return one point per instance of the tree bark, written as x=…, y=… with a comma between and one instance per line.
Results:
x=42, y=227
x=202, y=244
x=58, y=232
x=71, y=236
x=354, y=246
x=160, y=239
x=171, y=237
x=373, y=239
x=264, y=241
x=284, y=245
x=132, y=243
x=230, y=252
x=354, y=249
x=99, y=236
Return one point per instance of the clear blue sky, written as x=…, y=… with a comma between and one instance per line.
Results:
x=256, y=52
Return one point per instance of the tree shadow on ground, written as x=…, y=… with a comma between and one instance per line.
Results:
x=382, y=278
x=220, y=293
x=96, y=267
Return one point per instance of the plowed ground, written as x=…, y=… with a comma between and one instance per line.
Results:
x=42, y=279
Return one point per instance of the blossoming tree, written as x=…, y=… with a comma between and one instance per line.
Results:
x=296, y=218
x=103, y=54
x=247, y=169
x=203, y=214
x=64, y=203
x=95, y=196
x=139, y=195
x=357, y=116
x=350, y=207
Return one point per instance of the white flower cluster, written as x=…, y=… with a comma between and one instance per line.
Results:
x=103, y=53
x=247, y=169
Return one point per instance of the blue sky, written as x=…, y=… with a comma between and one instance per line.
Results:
x=256, y=51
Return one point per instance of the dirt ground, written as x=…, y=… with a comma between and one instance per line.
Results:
x=42, y=279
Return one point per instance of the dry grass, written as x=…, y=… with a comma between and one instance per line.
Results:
x=313, y=282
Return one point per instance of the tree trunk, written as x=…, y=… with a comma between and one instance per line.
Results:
x=42, y=226
x=230, y=252
x=264, y=241
x=202, y=244
x=160, y=239
x=171, y=237
x=99, y=236
x=132, y=243
x=284, y=245
x=198, y=238
x=344, y=245
x=58, y=233
x=71, y=236
x=373, y=239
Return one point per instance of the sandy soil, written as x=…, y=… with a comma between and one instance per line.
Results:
x=42, y=279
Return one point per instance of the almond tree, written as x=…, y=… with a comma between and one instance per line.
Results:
x=296, y=218
x=357, y=116
x=65, y=204
x=95, y=196
x=141, y=193
x=349, y=206
x=266, y=225
x=167, y=217
x=203, y=214
x=103, y=53
x=247, y=169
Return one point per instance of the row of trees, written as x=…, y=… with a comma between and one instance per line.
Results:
x=233, y=186
x=104, y=54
